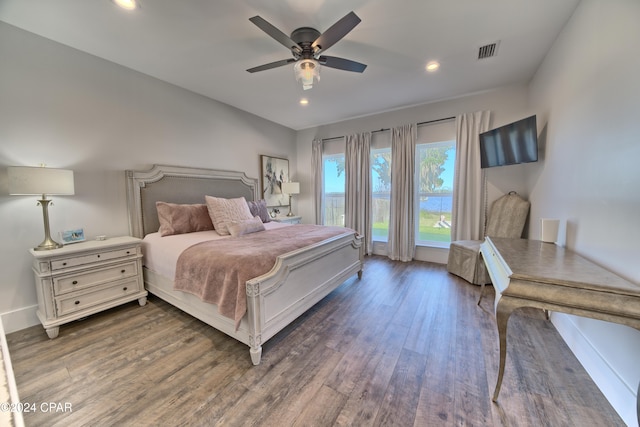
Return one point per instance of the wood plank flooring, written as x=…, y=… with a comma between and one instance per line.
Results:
x=405, y=346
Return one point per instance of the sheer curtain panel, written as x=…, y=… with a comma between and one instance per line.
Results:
x=468, y=214
x=357, y=195
x=401, y=244
x=316, y=167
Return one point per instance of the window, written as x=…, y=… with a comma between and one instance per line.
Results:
x=381, y=193
x=434, y=173
x=334, y=185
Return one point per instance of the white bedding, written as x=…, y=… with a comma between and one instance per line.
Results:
x=160, y=254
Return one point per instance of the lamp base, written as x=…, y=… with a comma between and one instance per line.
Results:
x=47, y=245
x=290, y=213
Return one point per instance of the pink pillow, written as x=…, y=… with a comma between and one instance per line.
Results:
x=223, y=211
x=179, y=219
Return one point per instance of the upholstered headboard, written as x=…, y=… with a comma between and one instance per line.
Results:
x=176, y=184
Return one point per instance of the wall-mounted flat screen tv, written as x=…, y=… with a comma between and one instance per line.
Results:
x=510, y=144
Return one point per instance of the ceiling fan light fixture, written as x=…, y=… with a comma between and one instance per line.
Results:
x=306, y=70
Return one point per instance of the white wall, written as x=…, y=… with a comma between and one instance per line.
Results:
x=72, y=110
x=507, y=104
x=589, y=93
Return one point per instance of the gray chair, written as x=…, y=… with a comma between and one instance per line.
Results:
x=506, y=219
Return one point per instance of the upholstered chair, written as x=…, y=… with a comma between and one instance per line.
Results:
x=506, y=219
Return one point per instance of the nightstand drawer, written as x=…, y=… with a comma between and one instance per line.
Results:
x=60, y=264
x=89, y=278
x=80, y=301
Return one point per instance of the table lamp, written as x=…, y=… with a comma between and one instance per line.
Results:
x=290, y=188
x=26, y=181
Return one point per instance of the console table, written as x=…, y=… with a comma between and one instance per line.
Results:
x=530, y=273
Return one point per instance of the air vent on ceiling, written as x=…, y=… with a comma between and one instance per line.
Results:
x=488, y=50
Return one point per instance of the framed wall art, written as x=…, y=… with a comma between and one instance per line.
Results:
x=274, y=172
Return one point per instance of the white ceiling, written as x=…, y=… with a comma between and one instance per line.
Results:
x=206, y=45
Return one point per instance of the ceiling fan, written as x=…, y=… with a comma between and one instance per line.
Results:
x=306, y=45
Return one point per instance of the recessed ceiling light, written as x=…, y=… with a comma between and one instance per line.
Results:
x=304, y=101
x=127, y=4
x=432, y=66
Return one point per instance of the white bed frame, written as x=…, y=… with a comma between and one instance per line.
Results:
x=297, y=281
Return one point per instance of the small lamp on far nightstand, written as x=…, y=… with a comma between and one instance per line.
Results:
x=27, y=181
x=290, y=188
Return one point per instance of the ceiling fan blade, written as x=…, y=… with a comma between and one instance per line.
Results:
x=276, y=34
x=341, y=64
x=271, y=65
x=336, y=32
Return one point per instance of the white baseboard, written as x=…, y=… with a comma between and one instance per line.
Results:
x=423, y=253
x=19, y=319
x=432, y=254
x=621, y=397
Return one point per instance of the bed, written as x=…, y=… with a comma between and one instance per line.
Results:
x=298, y=280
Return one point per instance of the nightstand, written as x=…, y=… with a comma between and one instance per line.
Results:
x=288, y=219
x=87, y=277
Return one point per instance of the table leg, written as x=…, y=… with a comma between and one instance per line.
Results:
x=502, y=317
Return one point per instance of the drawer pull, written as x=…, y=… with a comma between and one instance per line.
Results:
x=98, y=256
x=123, y=271
x=124, y=289
x=75, y=282
x=77, y=302
x=128, y=252
x=64, y=263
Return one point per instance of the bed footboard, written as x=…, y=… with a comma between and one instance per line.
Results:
x=298, y=280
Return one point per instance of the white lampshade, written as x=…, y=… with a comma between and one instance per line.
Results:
x=291, y=187
x=306, y=70
x=25, y=180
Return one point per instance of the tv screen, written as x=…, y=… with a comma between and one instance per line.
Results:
x=510, y=144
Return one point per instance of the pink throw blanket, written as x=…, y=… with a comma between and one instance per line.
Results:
x=217, y=270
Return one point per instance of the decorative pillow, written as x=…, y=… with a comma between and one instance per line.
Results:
x=239, y=228
x=259, y=208
x=223, y=211
x=180, y=219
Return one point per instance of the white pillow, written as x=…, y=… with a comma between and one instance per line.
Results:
x=223, y=211
x=247, y=226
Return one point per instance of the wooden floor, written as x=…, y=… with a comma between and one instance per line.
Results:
x=405, y=346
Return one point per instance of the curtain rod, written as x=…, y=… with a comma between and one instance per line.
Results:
x=386, y=129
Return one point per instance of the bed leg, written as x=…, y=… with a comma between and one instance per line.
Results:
x=359, y=274
x=256, y=355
